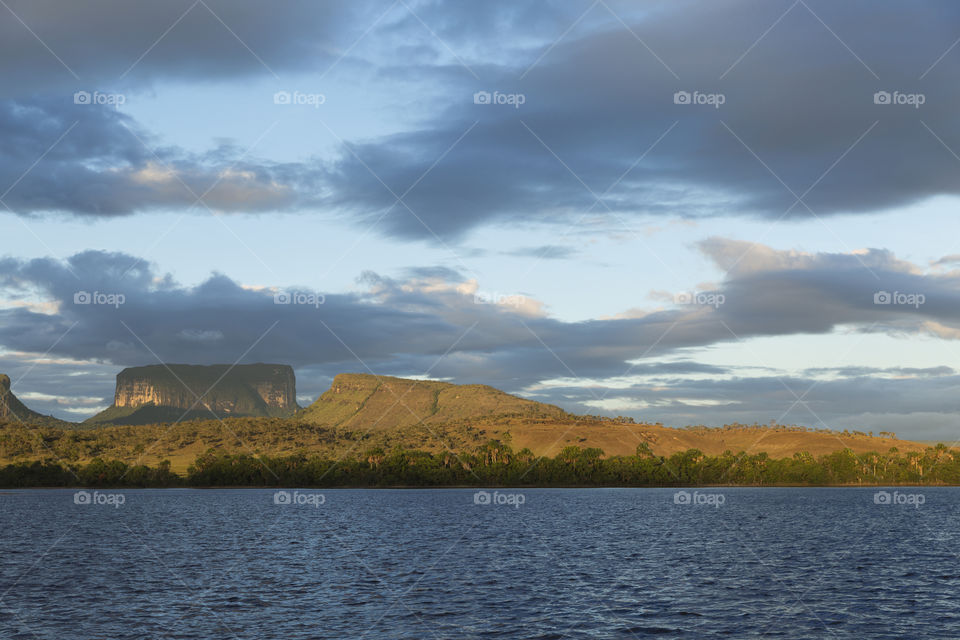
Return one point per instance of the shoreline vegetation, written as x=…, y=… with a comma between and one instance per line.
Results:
x=496, y=464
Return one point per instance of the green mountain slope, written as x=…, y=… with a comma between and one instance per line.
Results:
x=146, y=414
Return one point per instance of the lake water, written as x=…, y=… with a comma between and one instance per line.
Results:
x=542, y=563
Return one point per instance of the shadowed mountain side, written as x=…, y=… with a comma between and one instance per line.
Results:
x=147, y=414
x=12, y=410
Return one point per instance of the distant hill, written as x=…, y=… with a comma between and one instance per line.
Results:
x=359, y=401
x=360, y=413
x=12, y=410
x=168, y=393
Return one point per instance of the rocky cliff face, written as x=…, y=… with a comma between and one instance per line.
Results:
x=4, y=396
x=12, y=410
x=242, y=390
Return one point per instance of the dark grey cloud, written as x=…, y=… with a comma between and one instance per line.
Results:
x=432, y=321
x=770, y=292
x=798, y=116
x=796, y=104
x=111, y=43
x=92, y=160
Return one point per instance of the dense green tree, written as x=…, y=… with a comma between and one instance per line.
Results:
x=496, y=464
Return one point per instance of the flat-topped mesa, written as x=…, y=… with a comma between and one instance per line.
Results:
x=218, y=387
x=195, y=391
x=367, y=402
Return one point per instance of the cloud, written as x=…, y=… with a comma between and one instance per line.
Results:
x=896, y=372
x=599, y=122
x=435, y=320
x=545, y=252
x=598, y=133
x=952, y=259
x=916, y=407
x=67, y=388
x=91, y=160
x=50, y=46
x=401, y=321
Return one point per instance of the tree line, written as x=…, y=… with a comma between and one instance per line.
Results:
x=497, y=464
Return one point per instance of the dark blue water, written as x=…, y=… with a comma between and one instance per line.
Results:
x=615, y=563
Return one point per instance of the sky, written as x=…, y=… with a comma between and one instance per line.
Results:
x=684, y=212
